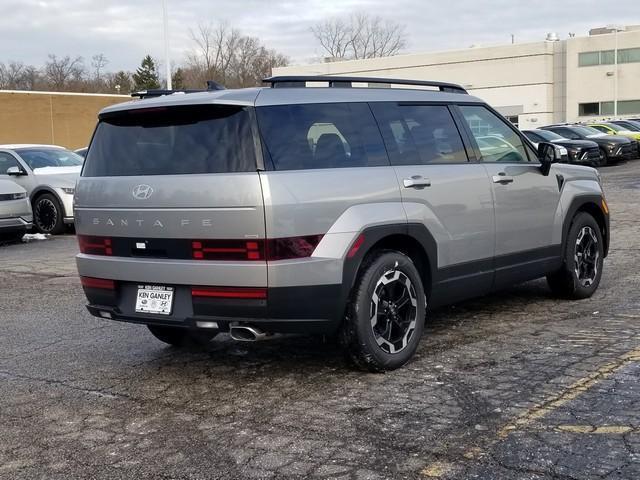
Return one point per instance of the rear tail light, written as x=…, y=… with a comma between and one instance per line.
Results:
x=271, y=249
x=95, y=245
x=101, y=283
x=230, y=292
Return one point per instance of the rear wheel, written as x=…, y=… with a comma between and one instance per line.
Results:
x=584, y=254
x=386, y=313
x=178, y=337
x=47, y=214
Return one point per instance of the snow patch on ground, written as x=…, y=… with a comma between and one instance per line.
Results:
x=31, y=237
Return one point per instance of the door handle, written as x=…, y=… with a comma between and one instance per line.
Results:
x=502, y=178
x=416, y=181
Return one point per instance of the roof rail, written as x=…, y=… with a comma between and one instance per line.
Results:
x=157, y=92
x=339, y=81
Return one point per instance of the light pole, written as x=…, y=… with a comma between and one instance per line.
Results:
x=616, y=29
x=167, y=62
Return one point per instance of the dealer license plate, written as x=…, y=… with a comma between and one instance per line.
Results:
x=154, y=299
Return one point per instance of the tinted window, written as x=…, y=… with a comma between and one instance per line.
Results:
x=419, y=134
x=7, y=161
x=324, y=135
x=495, y=139
x=533, y=137
x=170, y=141
x=49, y=157
x=548, y=136
x=567, y=133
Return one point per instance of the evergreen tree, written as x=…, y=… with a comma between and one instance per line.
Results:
x=121, y=83
x=146, y=76
x=177, y=79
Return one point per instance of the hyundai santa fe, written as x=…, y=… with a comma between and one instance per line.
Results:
x=349, y=211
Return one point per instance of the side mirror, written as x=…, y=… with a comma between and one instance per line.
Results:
x=548, y=153
x=15, y=171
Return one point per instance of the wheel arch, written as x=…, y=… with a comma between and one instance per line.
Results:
x=42, y=190
x=591, y=204
x=414, y=240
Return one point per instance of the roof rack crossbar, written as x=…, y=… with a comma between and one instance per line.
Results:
x=339, y=81
x=157, y=92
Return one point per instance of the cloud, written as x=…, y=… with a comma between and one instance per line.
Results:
x=125, y=31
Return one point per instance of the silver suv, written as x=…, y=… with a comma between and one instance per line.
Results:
x=324, y=210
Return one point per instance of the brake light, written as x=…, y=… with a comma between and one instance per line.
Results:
x=95, y=245
x=101, y=283
x=271, y=249
x=230, y=292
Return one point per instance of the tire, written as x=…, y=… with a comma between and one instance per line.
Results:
x=47, y=214
x=581, y=272
x=178, y=337
x=384, y=278
x=604, y=160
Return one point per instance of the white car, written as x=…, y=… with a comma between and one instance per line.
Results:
x=48, y=173
x=15, y=210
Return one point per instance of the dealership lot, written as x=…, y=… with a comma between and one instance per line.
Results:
x=514, y=385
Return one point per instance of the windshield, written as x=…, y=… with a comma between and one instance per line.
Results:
x=615, y=127
x=630, y=125
x=587, y=131
x=189, y=139
x=49, y=157
x=549, y=136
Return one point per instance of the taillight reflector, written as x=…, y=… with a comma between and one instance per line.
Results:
x=356, y=246
x=95, y=245
x=101, y=283
x=229, y=292
x=271, y=249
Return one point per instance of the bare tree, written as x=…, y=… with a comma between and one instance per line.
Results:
x=98, y=62
x=362, y=36
x=59, y=72
x=14, y=75
x=223, y=54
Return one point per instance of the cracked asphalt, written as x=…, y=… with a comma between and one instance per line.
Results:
x=516, y=385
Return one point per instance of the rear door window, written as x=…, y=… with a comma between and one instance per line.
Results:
x=193, y=139
x=419, y=134
x=328, y=135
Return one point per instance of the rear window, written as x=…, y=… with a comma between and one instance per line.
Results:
x=329, y=135
x=172, y=141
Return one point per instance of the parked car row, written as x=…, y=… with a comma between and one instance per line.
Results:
x=39, y=179
x=594, y=144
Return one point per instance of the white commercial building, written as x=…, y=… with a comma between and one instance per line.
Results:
x=533, y=84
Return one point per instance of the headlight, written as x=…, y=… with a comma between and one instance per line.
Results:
x=69, y=191
x=19, y=196
x=562, y=150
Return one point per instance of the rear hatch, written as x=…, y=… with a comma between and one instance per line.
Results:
x=174, y=192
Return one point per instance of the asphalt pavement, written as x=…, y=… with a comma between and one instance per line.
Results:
x=516, y=385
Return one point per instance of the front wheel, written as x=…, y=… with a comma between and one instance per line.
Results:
x=386, y=313
x=581, y=272
x=604, y=158
x=47, y=214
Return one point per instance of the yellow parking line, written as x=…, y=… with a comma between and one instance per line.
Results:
x=604, y=429
x=577, y=388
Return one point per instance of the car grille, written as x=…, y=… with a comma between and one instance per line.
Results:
x=628, y=151
x=635, y=149
x=590, y=155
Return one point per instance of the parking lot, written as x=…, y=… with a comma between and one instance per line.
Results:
x=513, y=385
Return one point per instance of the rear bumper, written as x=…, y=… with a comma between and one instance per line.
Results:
x=308, y=309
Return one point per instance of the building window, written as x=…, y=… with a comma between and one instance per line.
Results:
x=628, y=107
x=586, y=59
x=629, y=55
x=607, y=57
x=589, y=109
x=625, y=107
x=513, y=119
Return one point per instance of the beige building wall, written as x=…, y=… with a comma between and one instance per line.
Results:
x=596, y=83
x=65, y=119
x=540, y=83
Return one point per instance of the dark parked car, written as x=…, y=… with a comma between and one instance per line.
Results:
x=613, y=147
x=631, y=125
x=581, y=152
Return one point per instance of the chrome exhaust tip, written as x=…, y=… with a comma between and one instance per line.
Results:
x=245, y=333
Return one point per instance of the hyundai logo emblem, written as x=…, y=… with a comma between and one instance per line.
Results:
x=142, y=192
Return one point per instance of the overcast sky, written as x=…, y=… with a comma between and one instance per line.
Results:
x=125, y=30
